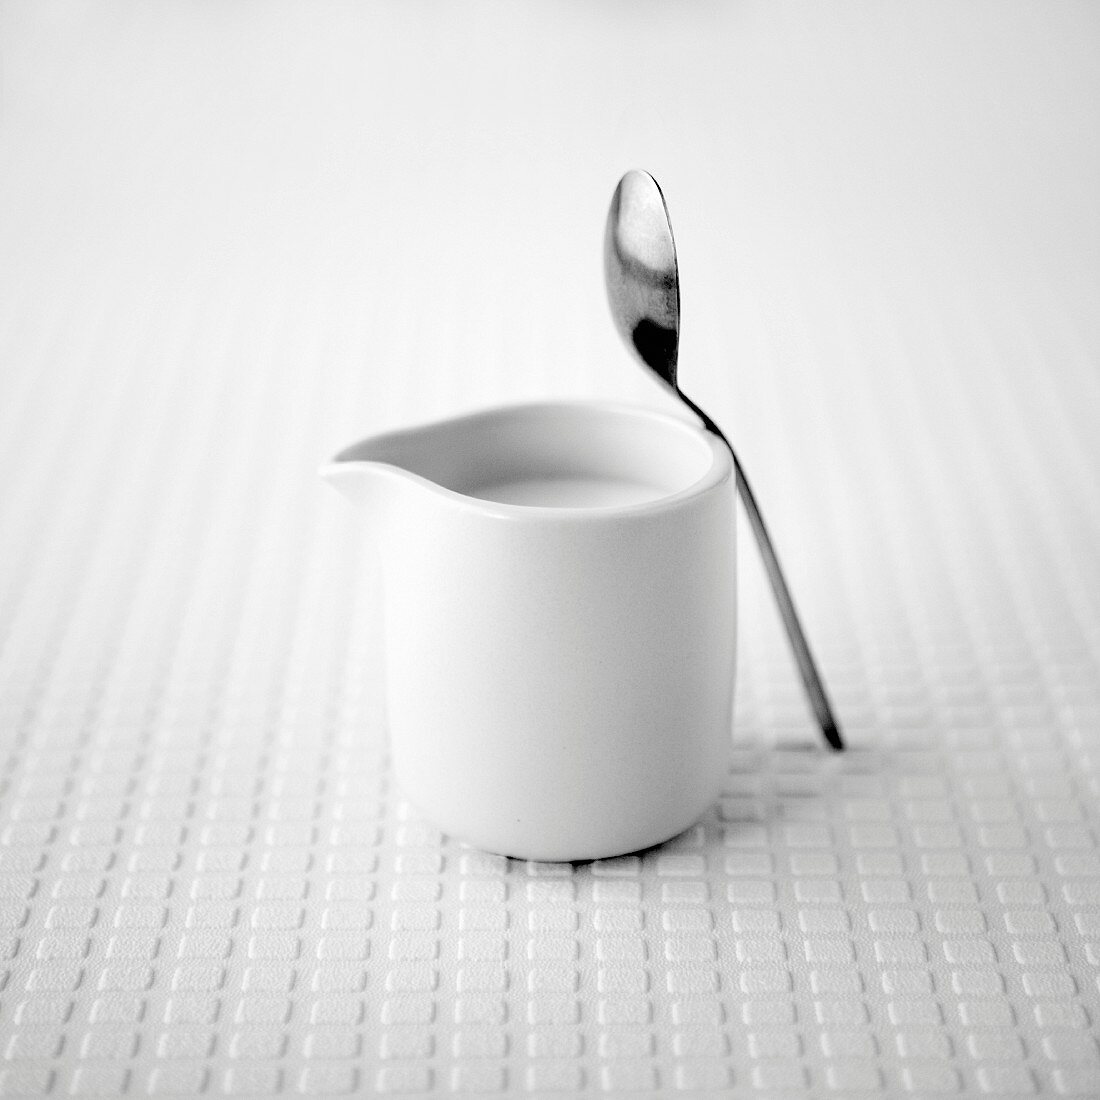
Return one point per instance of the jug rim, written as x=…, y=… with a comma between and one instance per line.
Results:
x=718, y=470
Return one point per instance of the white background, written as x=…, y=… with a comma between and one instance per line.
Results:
x=236, y=237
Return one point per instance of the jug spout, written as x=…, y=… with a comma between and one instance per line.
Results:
x=374, y=475
x=369, y=485
x=412, y=467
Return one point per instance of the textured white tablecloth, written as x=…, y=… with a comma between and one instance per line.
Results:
x=234, y=238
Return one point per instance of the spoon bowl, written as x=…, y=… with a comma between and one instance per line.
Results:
x=643, y=281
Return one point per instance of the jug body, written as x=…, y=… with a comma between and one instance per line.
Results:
x=560, y=629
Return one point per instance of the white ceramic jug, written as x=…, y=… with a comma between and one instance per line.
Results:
x=559, y=621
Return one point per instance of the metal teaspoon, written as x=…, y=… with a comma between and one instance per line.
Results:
x=643, y=289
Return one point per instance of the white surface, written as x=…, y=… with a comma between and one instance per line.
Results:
x=234, y=237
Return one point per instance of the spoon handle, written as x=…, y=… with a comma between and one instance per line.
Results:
x=807, y=667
